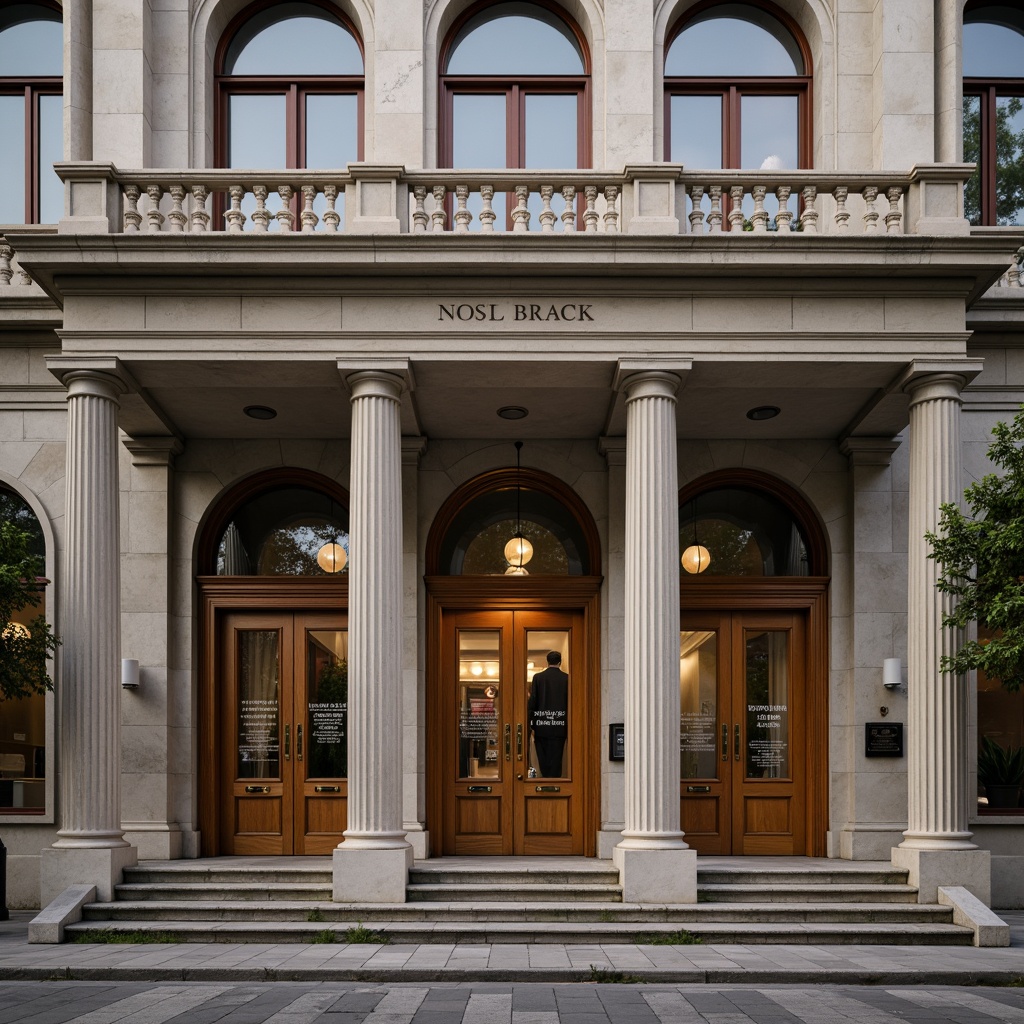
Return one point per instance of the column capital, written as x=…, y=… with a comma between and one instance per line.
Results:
x=650, y=384
x=387, y=373
x=634, y=371
x=925, y=379
x=108, y=375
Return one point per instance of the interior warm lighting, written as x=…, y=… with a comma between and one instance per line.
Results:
x=477, y=669
x=492, y=669
x=13, y=629
x=332, y=557
x=518, y=551
x=696, y=558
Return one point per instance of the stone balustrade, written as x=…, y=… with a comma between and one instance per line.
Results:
x=10, y=270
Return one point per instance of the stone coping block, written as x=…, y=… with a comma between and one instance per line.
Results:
x=968, y=911
x=48, y=925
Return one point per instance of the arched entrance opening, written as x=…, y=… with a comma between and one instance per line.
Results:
x=513, y=674
x=753, y=667
x=272, y=568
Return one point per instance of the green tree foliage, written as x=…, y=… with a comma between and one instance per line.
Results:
x=22, y=654
x=981, y=554
x=1009, y=159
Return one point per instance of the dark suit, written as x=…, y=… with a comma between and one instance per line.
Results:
x=548, y=713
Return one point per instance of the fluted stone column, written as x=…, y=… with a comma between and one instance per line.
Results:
x=372, y=862
x=91, y=848
x=654, y=861
x=937, y=847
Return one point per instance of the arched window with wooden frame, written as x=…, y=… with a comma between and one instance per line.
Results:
x=993, y=48
x=514, y=93
x=31, y=112
x=737, y=89
x=289, y=90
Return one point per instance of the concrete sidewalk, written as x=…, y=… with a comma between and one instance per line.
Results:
x=711, y=964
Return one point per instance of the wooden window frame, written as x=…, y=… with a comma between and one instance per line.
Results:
x=989, y=91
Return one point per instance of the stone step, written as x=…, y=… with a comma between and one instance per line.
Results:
x=224, y=891
x=501, y=891
x=424, y=874
x=806, y=893
x=799, y=876
x=277, y=911
x=550, y=932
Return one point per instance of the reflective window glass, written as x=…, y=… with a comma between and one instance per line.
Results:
x=51, y=151
x=696, y=131
x=259, y=704
x=769, y=132
x=515, y=39
x=327, y=703
x=698, y=704
x=994, y=42
x=550, y=130
x=766, y=654
x=480, y=703
x=12, y=159
x=31, y=42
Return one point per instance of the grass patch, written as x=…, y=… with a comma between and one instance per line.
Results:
x=316, y=914
x=109, y=935
x=602, y=976
x=679, y=938
x=327, y=935
x=364, y=936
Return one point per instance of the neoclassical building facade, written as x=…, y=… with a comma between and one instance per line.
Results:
x=504, y=429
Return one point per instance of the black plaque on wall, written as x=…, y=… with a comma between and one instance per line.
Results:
x=883, y=739
x=617, y=742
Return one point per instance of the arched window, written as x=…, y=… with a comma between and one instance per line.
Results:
x=31, y=113
x=290, y=88
x=737, y=84
x=994, y=113
x=514, y=93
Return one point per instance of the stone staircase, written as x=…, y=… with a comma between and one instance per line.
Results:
x=554, y=900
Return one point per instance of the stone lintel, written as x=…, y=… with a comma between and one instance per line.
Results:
x=613, y=449
x=153, y=451
x=869, y=451
x=413, y=446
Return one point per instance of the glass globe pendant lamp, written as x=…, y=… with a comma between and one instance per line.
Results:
x=518, y=551
x=696, y=558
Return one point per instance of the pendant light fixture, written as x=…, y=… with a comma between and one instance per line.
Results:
x=518, y=551
x=696, y=558
x=332, y=557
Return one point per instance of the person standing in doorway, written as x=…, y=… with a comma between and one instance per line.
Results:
x=547, y=713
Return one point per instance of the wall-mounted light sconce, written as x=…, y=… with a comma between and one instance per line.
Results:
x=130, y=673
x=892, y=673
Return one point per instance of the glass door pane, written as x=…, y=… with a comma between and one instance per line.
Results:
x=548, y=687
x=259, y=704
x=769, y=132
x=696, y=131
x=480, y=717
x=479, y=140
x=327, y=703
x=698, y=704
x=766, y=663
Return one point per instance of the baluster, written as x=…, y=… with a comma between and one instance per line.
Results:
x=23, y=277
x=6, y=255
x=1012, y=275
x=842, y=216
x=200, y=215
x=784, y=218
x=696, y=212
x=308, y=218
x=462, y=215
x=590, y=216
x=736, y=193
x=894, y=219
x=521, y=215
x=870, y=194
x=569, y=213
x=438, y=216
x=487, y=214
x=1018, y=258
x=419, y=213
x=611, y=210
x=132, y=217
x=759, y=218
x=547, y=216
x=234, y=217
x=285, y=217
x=715, y=213
x=331, y=216
x=177, y=217
x=154, y=217
x=260, y=217
x=809, y=217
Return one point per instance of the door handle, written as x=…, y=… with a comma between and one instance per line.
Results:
x=519, y=741
x=698, y=789
x=725, y=742
x=508, y=741
x=257, y=789
x=737, y=741
x=287, y=742
x=479, y=789
x=327, y=789
x=298, y=742
x=549, y=789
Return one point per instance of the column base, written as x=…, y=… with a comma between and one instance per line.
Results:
x=657, y=874
x=99, y=866
x=929, y=869
x=371, y=875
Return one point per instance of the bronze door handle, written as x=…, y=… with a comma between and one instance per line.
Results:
x=287, y=742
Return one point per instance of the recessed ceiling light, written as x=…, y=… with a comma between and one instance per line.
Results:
x=763, y=412
x=260, y=412
x=513, y=412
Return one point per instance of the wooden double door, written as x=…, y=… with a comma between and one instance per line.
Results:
x=503, y=792
x=744, y=739
x=283, y=744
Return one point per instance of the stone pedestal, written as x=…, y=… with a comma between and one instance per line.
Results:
x=937, y=847
x=371, y=864
x=91, y=848
x=655, y=864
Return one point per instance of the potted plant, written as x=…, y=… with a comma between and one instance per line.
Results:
x=1001, y=772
